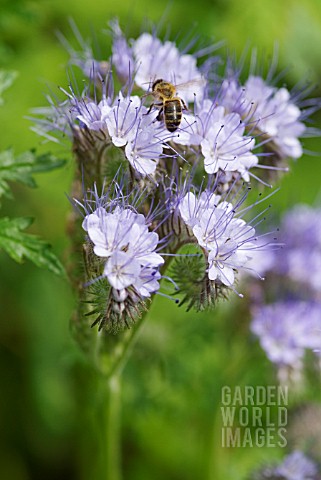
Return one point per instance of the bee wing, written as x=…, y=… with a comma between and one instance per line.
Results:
x=188, y=87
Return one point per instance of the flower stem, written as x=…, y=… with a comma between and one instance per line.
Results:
x=111, y=406
x=117, y=356
x=112, y=436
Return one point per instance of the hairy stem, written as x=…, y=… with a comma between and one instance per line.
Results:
x=116, y=358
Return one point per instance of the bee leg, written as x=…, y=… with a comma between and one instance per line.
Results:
x=160, y=115
x=150, y=109
x=184, y=105
x=153, y=105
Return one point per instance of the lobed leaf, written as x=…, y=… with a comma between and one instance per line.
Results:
x=20, y=245
x=21, y=168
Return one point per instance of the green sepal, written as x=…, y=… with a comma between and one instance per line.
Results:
x=103, y=308
x=194, y=287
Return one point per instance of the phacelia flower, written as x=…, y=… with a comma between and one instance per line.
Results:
x=121, y=119
x=270, y=110
x=222, y=130
x=142, y=136
x=221, y=137
x=122, y=122
x=148, y=58
x=121, y=253
x=225, y=148
x=90, y=114
x=144, y=149
x=226, y=240
x=122, y=238
x=229, y=126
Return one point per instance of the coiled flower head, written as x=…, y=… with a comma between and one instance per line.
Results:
x=125, y=246
x=226, y=240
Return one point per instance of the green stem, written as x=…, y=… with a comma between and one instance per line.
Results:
x=112, y=425
x=111, y=404
x=121, y=351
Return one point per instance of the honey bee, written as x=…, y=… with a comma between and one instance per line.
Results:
x=171, y=106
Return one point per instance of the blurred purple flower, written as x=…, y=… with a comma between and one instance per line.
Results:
x=300, y=258
x=122, y=55
x=297, y=466
x=286, y=330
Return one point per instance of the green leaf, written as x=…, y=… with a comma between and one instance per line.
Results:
x=20, y=245
x=6, y=80
x=22, y=168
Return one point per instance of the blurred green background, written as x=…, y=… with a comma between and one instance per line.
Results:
x=49, y=413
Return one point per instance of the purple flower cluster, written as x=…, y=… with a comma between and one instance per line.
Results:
x=184, y=151
x=223, y=129
x=221, y=137
x=148, y=58
x=227, y=240
x=125, y=243
x=122, y=122
x=122, y=237
x=271, y=111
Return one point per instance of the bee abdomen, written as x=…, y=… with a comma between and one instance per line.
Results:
x=172, y=114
